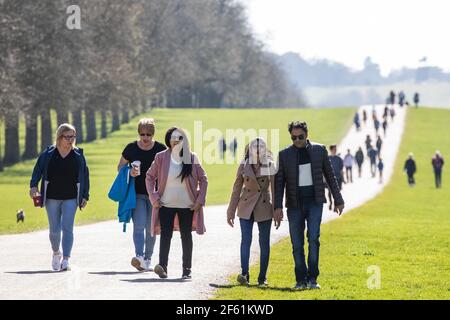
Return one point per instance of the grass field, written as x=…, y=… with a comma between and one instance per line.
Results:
x=326, y=126
x=404, y=232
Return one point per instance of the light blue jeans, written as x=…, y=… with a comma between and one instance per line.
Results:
x=61, y=217
x=142, y=218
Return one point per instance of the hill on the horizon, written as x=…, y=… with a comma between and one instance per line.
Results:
x=326, y=73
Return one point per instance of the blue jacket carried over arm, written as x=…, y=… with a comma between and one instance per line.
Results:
x=123, y=191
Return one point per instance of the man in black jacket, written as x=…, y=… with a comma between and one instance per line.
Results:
x=301, y=168
x=410, y=168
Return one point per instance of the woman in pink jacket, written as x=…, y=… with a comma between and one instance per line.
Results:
x=177, y=184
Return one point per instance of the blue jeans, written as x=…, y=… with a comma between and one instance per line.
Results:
x=61, y=217
x=264, y=244
x=312, y=214
x=142, y=218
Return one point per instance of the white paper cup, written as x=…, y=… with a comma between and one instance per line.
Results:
x=137, y=165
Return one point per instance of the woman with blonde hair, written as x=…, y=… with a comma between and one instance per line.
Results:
x=252, y=196
x=142, y=152
x=64, y=177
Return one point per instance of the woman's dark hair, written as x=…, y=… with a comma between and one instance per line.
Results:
x=298, y=125
x=186, y=169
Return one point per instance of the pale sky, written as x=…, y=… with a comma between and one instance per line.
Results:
x=394, y=33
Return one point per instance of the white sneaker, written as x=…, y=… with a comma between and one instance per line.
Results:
x=139, y=263
x=65, y=265
x=147, y=265
x=56, y=261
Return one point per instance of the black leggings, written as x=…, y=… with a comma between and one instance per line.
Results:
x=166, y=218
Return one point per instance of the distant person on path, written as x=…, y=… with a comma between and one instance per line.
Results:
x=177, y=199
x=392, y=97
x=338, y=165
x=376, y=124
x=233, y=147
x=385, y=126
x=392, y=112
x=379, y=144
x=357, y=122
x=348, y=164
x=252, y=194
x=301, y=169
x=364, y=116
x=401, y=98
x=64, y=177
x=144, y=151
x=416, y=99
x=380, y=169
x=437, y=163
x=222, y=147
x=385, y=112
x=410, y=169
x=359, y=157
x=372, y=154
x=368, y=142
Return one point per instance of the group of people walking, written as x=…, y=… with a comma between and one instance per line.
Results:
x=372, y=152
x=392, y=98
x=166, y=191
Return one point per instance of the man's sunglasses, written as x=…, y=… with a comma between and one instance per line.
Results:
x=146, y=135
x=69, y=137
x=299, y=137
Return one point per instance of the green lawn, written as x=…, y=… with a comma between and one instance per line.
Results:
x=327, y=126
x=404, y=231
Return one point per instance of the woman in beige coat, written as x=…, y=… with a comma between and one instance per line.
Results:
x=252, y=196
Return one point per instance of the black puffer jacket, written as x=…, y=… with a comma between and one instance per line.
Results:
x=287, y=176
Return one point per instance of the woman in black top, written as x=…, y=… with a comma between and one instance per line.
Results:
x=143, y=150
x=65, y=186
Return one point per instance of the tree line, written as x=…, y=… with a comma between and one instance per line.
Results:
x=128, y=56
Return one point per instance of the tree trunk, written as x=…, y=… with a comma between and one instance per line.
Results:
x=31, y=136
x=46, y=128
x=115, y=120
x=135, y=113
x=125, y=116
x=77, y=121
x=12, y=151
x=62, y=116
x=91, y=127
x=145, y=105
x=104, y=131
